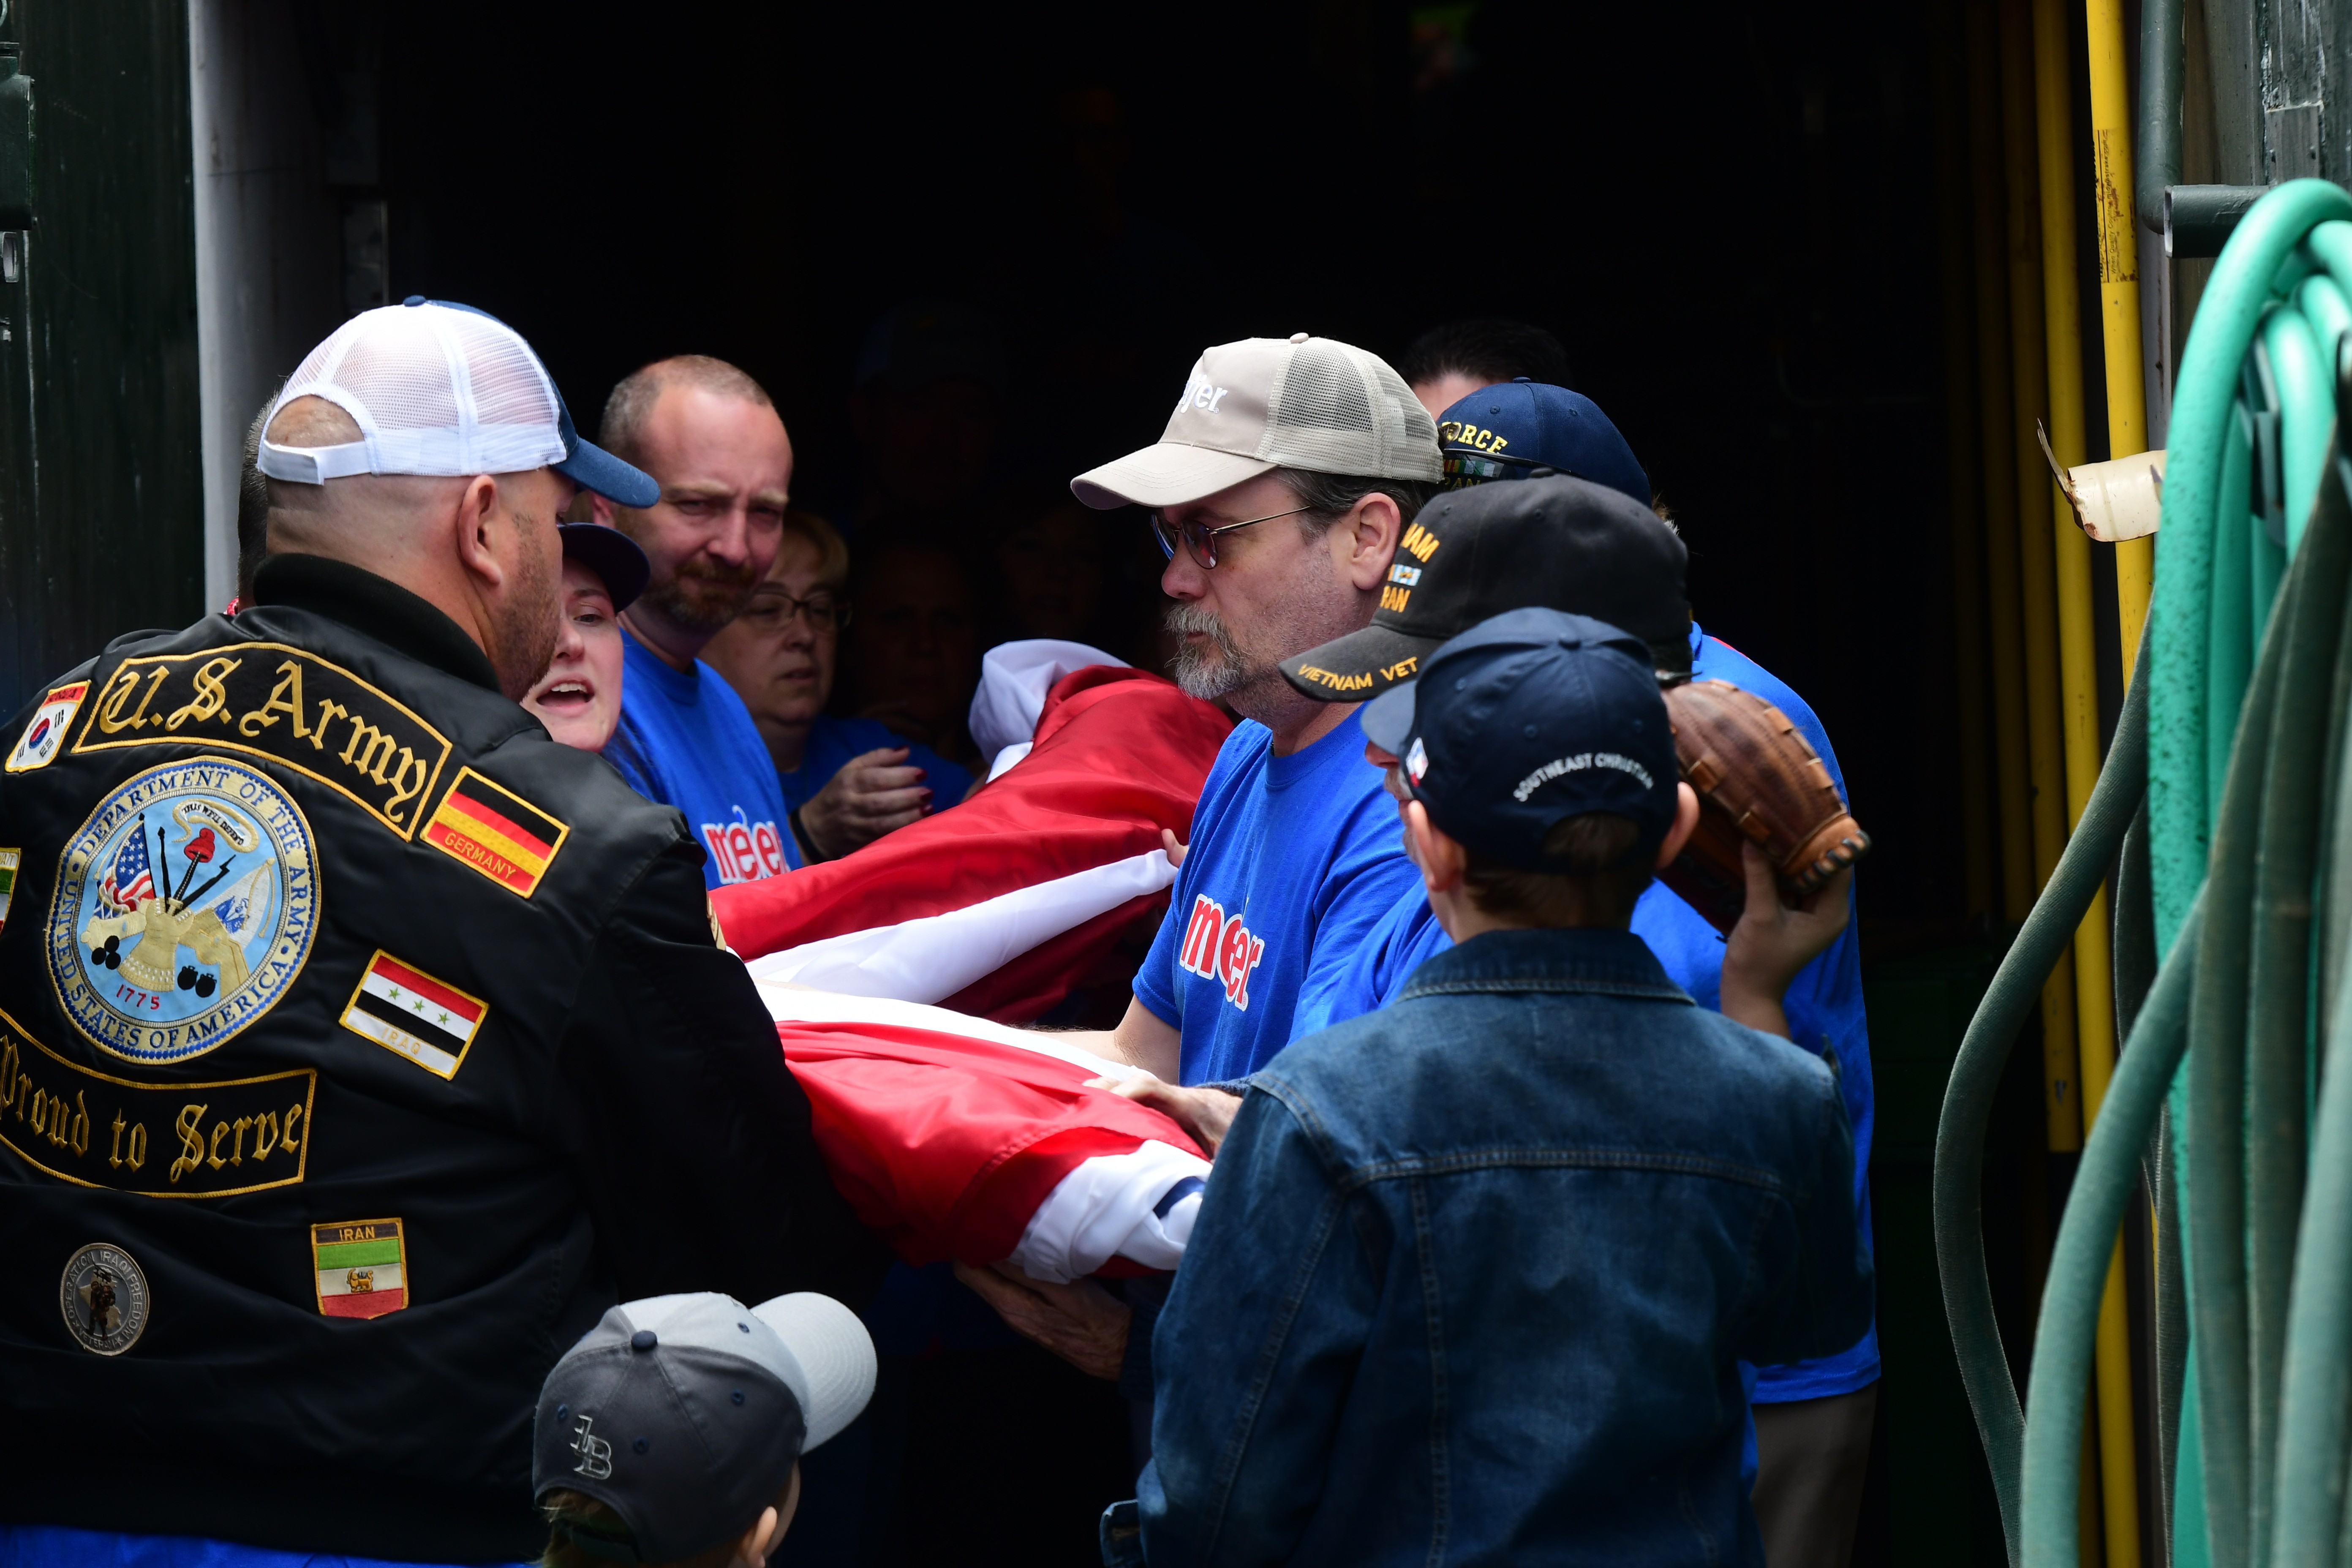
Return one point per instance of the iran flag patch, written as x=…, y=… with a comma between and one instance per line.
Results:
x=47, y=732
x=412, y=1014
x=363, y=1268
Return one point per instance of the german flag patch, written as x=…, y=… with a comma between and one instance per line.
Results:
x=363, y=1268
x=494, y=831
x=412, y=1014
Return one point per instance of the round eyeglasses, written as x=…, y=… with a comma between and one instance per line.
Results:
x=1200, y=540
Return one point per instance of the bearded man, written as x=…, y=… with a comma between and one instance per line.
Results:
x=1282, y=494
x=710, y=437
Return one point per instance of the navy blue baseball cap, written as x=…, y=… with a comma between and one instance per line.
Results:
x=1510, y=429
x=611, y=555
x=444, y=389
x=1528, y=719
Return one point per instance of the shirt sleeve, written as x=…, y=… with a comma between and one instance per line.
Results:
x=1154, y=983
x=1257, y=1351
x=689, y=1135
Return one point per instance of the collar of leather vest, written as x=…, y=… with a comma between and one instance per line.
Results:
x=375, y=606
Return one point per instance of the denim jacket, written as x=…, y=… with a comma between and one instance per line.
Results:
x=1474, y=1273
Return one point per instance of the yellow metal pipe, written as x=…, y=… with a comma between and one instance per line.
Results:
x=2112, y=198
x=1996, y=427
x=2037, y=598
x=2079, y=689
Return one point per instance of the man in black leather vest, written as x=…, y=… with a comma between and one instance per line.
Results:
x=359, y=1045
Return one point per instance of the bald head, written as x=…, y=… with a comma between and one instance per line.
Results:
x=714, y=443
x=481, y=549
x=369, y=519
x=622, y=431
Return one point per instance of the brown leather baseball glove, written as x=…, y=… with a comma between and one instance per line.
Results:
x=1759, y=779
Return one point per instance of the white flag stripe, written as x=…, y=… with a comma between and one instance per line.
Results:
x=444, y=1019
x=1106, y=1207
x=933, y=957
x=384, y=1277
x=423, y=1053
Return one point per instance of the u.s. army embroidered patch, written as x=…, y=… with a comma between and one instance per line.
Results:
x=186, y=905
x=276, y=700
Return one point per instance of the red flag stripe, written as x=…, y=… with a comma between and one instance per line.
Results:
x=402, y=975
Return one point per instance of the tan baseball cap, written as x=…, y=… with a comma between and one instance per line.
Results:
x=1261, y=403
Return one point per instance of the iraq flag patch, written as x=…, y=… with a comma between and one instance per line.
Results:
x=407, y=1012
x=363, y=1268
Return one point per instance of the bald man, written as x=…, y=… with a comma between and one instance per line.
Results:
x=722, y=467
x=361, y=1045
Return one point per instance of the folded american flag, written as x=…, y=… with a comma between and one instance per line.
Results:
x=950, y=1133
x=953, y=1137
x=1000, y=906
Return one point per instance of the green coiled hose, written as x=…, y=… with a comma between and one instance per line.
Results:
x=2014, y=994
x=2245, y=888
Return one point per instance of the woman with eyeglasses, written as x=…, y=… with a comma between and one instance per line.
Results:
x=847, y=781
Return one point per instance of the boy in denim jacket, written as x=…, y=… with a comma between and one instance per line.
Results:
x=1475, y=1272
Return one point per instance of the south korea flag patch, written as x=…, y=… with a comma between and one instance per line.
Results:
x=410, y=1013
x=46, y=733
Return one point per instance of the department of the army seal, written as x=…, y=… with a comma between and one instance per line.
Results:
x=104, y=1299
x=184, y=907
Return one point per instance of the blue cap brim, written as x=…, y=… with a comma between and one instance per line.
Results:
x=1388, y=719
x=593, y=468
x=611, y=555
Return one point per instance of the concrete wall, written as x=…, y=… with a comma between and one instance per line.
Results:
x=268, y=237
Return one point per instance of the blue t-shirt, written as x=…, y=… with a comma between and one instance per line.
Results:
x=1292, y=860
x=833, y=742
x=686, y=740
x=1823, y=1002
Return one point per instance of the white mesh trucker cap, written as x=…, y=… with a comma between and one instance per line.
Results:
x=443, y=389
x=1268, y=402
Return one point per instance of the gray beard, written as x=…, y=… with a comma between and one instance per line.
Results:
x=1217, y=669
